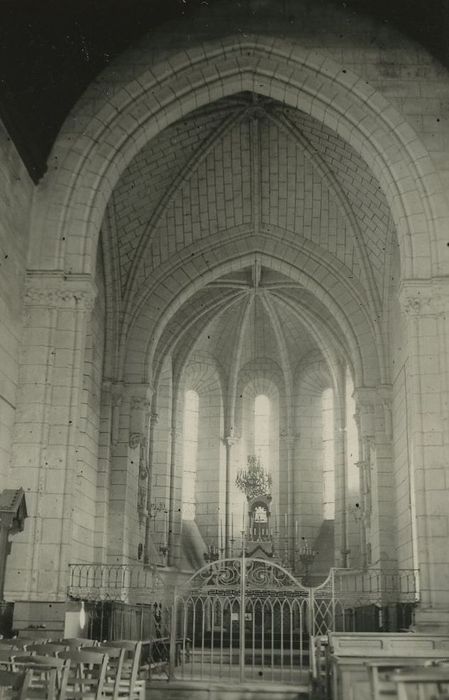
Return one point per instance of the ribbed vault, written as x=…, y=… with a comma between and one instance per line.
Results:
x=251, y=232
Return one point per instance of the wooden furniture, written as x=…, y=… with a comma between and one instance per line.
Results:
x=131, y=686
x=49, y=649
x=86, y=675
x=349, y=654
x=114, y=670
x=77, y=642
x=47, y=675
x=380, y=674
x=14, y=685
x=425, y=683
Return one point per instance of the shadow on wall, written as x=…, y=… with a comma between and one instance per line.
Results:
x=192, y=546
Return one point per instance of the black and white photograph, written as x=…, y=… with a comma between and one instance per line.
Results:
x=224, y=350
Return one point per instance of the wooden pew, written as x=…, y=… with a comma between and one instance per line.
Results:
x=381, y=673
x=431, y=683
x=349, y=653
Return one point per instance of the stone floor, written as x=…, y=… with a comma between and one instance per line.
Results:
x=209, y=690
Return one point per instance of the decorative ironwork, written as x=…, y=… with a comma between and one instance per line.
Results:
x=242, y=619
x=260, y=575
x=120, y=582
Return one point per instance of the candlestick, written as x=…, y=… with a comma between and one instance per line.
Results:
x=221, y=533
x=232, y=526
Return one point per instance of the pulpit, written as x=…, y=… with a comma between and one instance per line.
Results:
x=13, y=512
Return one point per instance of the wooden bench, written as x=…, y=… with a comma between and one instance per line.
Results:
x=381, y=674
x=349, y=654
x=431, y=683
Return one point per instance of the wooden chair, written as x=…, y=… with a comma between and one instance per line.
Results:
x=23, y=643
x=77, y=642
x=48, y=675
x=47, y=649
x=5, y=659
x=86, y=676
x=15, y=684
x=131, y=686
x=116, y=657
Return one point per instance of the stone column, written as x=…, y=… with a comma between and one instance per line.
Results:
x=175, y=497
x=341, y=540
x=287, y=501
x=376, y=480
x=426, y=308
x=229, y=442
x=148, y=545
x=139, y=430
x=44, y=462
x=103, y=473
x=129, y=472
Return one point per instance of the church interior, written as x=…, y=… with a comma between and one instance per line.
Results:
x=224, y=343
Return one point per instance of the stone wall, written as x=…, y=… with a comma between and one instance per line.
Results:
x=16, y=196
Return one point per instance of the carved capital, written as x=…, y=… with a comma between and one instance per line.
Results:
x=154, y=418
x=230, y=440
x=59, y=290
x=139, y=403
x=134, y=440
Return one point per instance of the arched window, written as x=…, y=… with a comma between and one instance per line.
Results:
x=327, y=407
x=262, y=429
x=190, y=453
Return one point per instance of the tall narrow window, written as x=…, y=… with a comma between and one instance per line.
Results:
x=262, y=429
x=327, y=406
x=191, y=412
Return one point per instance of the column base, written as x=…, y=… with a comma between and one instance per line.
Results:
x=432, y=620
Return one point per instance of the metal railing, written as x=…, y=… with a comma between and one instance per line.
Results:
x=375, y=585
x=119, y=582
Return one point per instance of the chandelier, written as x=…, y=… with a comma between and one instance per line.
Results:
x=254, y=480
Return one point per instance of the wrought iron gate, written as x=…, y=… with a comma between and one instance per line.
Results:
x=242, y=619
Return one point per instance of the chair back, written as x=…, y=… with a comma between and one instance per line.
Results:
x=47, y=674
x=87, y=674
x=5, y=658
x=47, y=649
x=24, y=643
x=77, y=642
x=114, y=671
x=18, y=682
x=6, y=643
x=131, y=662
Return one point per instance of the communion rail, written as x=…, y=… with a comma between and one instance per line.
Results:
x=129, y=600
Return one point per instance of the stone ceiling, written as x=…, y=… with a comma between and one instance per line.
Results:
x=248, y=166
